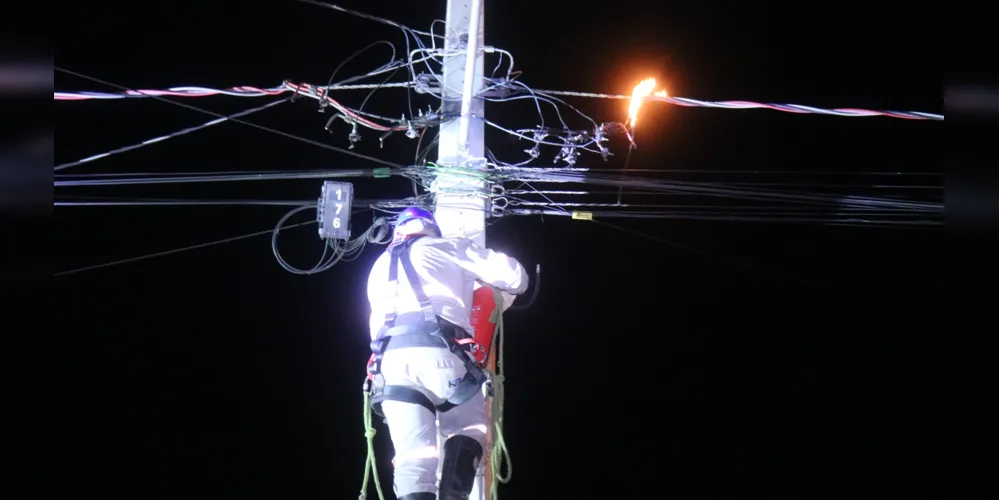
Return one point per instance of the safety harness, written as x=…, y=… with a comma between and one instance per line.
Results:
x=432, y=332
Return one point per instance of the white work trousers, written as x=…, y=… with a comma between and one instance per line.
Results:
x=413, y=429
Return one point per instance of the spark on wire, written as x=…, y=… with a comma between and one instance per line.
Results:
x=678, y=101
x=641, y=92
x=787, y=108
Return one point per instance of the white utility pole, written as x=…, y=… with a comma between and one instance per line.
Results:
x=461, y=210
x=460, y=202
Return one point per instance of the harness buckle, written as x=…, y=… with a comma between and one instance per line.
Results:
x=377, y=383
x=429, y=316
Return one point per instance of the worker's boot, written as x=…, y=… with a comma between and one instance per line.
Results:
x=419, y=496
x=461, y=458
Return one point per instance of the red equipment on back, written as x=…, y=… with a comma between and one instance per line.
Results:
x=483, y=305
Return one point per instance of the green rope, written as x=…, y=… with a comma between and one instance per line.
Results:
x=498, y=453
x=370, y=467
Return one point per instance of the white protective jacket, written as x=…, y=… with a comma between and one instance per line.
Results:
x=448, y=269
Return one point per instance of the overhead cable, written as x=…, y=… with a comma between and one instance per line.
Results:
x=251, y=124
x=242, y=91
x=177, y=179
x=842, y=220
x=168, y=136
x=176, y=250
x=678, y=101
x=787, y=108
x=179, y=202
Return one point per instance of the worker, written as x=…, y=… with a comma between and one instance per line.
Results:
x=420, y=292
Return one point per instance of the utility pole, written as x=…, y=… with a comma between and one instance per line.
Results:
x=461, y=208
x=460, y=204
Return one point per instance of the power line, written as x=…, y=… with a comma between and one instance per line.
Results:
x=197, y=91
x=181, y=179
x=251, y=124
x=168, y=136
x=787, y=108
x=370, y=17
x=677, y=101
x=153, y=202
x=758, y=172
x=869, y=220
x=714, y=189
x=192, y=203
x=178, y=250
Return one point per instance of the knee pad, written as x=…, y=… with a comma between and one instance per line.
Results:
x=461, y=458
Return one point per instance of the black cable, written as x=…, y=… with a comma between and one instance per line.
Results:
x=366, y=16
x=352, y=56
x=291, y=175
x=376, y=89
x=251, y=124
x=534, y=294
x=714, y=189
x=171, y=135
x=107, y=201
x=406, y=32
x=845, y=219
x=176, y=250
x=837, y=219
x=319, y=267
x=764, y=172
x=181, y=203
x=416, y=161
x=422, y=156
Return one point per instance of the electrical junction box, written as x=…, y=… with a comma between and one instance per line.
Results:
x=333, y=210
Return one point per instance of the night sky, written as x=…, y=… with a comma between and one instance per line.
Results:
x=663, y=358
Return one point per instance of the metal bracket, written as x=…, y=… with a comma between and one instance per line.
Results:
x=497, y=206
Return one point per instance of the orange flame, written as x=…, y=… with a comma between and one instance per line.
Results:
x=642, y=91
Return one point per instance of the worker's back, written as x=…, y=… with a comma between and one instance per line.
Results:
x=424, y=381
x=448, y=269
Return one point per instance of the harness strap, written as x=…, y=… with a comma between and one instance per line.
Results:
x=401, y=393
x=431, y=334
x=401, y=254
x=466, y=388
